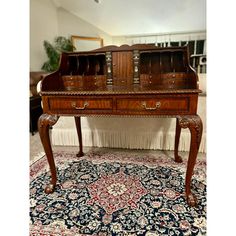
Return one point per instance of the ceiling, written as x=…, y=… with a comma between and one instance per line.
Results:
x=133, y=17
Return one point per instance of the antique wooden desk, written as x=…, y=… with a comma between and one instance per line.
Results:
x=138, y=80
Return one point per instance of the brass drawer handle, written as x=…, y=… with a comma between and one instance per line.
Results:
x=144, y=104
x=73, y=104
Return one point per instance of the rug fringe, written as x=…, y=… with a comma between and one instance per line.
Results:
x=122, y=139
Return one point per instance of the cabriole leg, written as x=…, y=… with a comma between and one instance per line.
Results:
x=44, y=122
x=194, y=123
x=79, y=133
x=177, y=136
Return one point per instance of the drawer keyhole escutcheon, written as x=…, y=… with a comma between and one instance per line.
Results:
x=73, y=104
x=158, y=105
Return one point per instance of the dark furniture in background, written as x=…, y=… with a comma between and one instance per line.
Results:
x=35, y=100
x=35, y=112
x=139, y=80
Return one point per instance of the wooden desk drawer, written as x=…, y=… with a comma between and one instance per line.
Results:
x=73, y=82
x=80, y=104
x=153, y=105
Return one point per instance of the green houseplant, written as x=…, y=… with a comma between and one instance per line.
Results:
x=61, y=44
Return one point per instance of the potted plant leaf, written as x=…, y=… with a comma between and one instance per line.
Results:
x=61, y=44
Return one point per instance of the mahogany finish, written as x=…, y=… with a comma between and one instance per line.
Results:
x=138, y=80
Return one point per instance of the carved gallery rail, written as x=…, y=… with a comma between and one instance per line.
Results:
x=131, y=81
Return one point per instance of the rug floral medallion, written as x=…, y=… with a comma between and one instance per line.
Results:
x=116, y=193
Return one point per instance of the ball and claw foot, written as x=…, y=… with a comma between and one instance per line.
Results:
x=191, y=200
x=49, y=189
x=80, y=154
x=178, y=159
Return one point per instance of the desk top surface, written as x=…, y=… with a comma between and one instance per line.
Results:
x=112, y=90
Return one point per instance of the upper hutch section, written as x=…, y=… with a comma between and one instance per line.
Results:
x=140, y=65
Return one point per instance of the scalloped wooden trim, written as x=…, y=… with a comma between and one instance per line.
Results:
x=97, y=92
x=119, y=115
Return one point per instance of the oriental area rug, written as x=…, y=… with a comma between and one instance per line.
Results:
x=116, y=193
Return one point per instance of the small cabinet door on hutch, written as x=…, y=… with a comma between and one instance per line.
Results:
x=122, y=66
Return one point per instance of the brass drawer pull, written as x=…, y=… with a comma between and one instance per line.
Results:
x=144, y=104
x=73, y=104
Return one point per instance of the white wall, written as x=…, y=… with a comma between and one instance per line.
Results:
x=43, y=26
x=47, y=21
x=153, y=38
x=141, y=17
x=70, y=24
